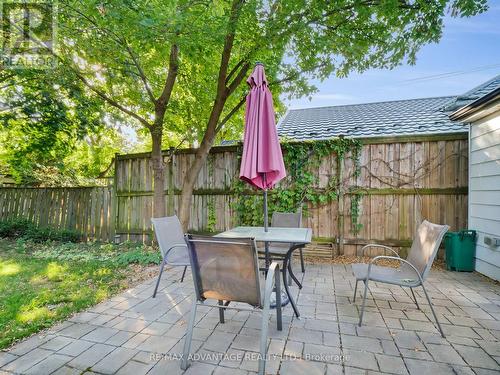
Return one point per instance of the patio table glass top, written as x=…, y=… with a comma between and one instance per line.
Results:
x=274, y=234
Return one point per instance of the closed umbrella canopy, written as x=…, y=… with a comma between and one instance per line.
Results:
x=262, y=161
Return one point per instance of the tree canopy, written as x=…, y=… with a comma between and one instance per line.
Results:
x=176, y=69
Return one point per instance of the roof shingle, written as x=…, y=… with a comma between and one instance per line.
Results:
x=393, y=118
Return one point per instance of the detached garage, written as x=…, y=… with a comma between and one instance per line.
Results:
x=483, y=115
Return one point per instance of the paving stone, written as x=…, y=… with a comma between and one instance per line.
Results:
x=24, y=362
x=136, y=340
x=75, y=348
x=360, y=359
x=332, y=369
x=450, y=330
x=158, y=344
x=49, y=364
x=322, y=353
x=229, y=371
x=416, y=354
x=77, y=330
x=306, y=336
x=407, y=340
x=29, y=344
x=135, y=368
x=91, y=356
x=462, y=321
x=219, y=341
x=301, y=367
x=6, y=358
x=331, y=339
x=114, y=360
x=418, y=367
x=490, y=347
x=100, y=334
x=394, y=365
x=374, y=332
x=322, y=325
x=66, y=370
x=198, y=368
x=57, y=343
x=133, y=325
x=446, y=354
x=415, y=325
x=243, y=342
x=120, y=338
x=476, y=357
x=361, y=343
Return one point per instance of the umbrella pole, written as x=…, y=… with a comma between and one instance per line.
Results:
x=266, y=225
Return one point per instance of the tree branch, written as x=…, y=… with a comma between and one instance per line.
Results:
x=142, y=75
x=173, y=67
x=230, y=114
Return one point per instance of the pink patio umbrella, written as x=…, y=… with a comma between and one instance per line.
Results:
x=262, y=161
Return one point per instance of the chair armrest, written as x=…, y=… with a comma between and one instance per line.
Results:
x=174, y=246
x=273, y=275
x=393, y=258
x=379, y=246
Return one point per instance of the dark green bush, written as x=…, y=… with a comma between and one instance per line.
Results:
x=25, y=229
x=15, y=228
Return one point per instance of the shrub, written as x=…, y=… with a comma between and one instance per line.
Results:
x=15, y=228
x=25, y=229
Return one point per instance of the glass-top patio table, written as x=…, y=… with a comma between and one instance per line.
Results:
x=296, y=237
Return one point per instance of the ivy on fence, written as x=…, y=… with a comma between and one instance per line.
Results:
x=301, y=184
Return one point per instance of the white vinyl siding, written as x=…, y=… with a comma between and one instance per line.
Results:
x=484, y=191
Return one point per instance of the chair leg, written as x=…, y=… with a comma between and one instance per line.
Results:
x=221, y=312
x=277, y=288
x=162, y=265
x=415, y=298
x=355, y=290
x=432, y=309
x=189, y=336
x=302, y=261
x=363, y=304
x=184, y=273
x=263, y=330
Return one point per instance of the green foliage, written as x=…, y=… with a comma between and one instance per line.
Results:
x=301, y=184
x=355, y=225
x=108, y=253
x=14, y=228
x=27, y=230
x=37, y=291
x=49, y=118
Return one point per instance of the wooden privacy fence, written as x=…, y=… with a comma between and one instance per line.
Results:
x=84, y=209
x=404, y=180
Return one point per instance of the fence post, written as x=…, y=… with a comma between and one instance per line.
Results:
x=114, y=202
x=340, y=205
x=171, y=182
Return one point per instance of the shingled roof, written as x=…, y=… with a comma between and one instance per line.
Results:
x=474, y=94
x=393, y=118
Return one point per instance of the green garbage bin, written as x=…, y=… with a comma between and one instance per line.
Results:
x=460, y=250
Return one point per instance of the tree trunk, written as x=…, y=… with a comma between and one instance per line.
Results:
x=199, y=159
x=158, y=172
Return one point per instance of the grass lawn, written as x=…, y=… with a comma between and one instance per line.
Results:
x=41, y=284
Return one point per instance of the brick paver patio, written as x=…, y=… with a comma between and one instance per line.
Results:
x=135, y=334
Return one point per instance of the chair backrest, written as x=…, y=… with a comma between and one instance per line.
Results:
x=225, y=269
x=287, y=219
x=425, y=246
x=169, y=233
